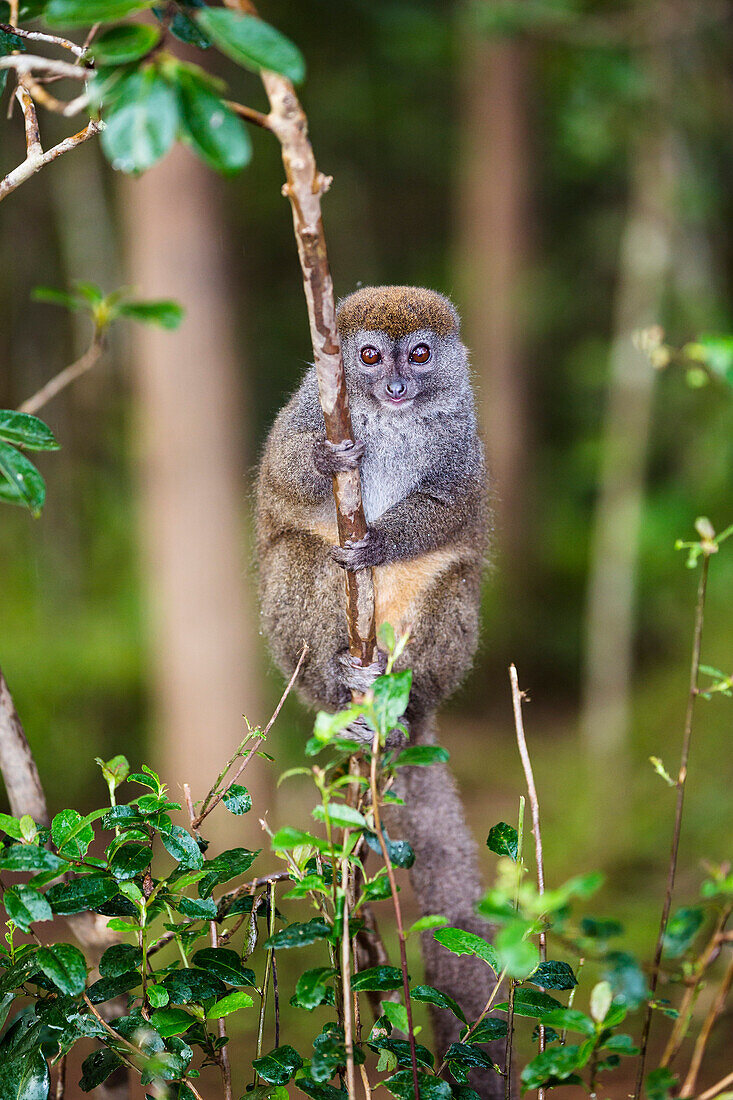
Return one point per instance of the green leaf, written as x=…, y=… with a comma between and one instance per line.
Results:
x=68, y=832
x=158, y=996
x=400, y=1048
x=119, y=959
x=9, y=43
x=601, y=999
x=462, y=1058
x=130, y=860
x=164, y=312
x=718, y=355
x=29, y=857
x=97, y=1067
x=25, y=484
x=108, y=988
x=620, y=1044
x=232, y=1002
x=681, y=931
x=319, y=1091
x=627, y=979
x=430, y=995
x=237, y=800
x=80, y=894
x=340, y=816
x=181, y=845
x=141, y=126
x=553, y=975
x=570, y=1019
x=518, y=954
x=191, y=984
x=422, y=756
x=600, y=929
x=204, y=908
x=399, y=851
x=115, y=771
x=223, y=963
x=503, y=840
x=557, y=1062
x=286, y=839
x=66, y=967
x=128, y=42
x=531, y=1002
x=185, y=30
x=24, y=905
x=298, y=935
x=659, y=1083
x=379, y=978
x=279, y=1066
x=391, y=696
x=227, y=865
x=310, y=989
x=397, y=1015
x=431, y=1088
x=171, y=1021
x=423, y=924
x=25, y=1078
x=83, y=12
x=251, y=42
x=11, y=826
x=211, y=128
x=487, y=1031
x=467, y=943
x=26, y=431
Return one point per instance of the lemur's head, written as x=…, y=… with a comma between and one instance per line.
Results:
x=402, y=347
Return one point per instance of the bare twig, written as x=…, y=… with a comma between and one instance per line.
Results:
x=66, y=376
x=213, y=800
x=681, y=780
x=39, y=36
x=275, y=988
x=30, y=166
x=715, y=1011
x=304, y=187
x=257, y=118
x=397, y=909
x=31, y=63
x=60, y=1091
x=517, y=697
x=34, y=149
x=18, y=767
x=486, y=1009
x=716, y=1088
x=346, y=984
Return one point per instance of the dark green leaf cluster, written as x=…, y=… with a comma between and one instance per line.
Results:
x=20, y=481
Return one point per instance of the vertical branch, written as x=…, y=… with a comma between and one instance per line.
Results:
x=303, y=188
x=517, y=697
x=716, y=1010
x=681, y=780
x=17, y=765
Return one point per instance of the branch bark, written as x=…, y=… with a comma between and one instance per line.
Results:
x=303, y=188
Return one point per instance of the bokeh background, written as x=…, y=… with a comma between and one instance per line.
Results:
x=567, y=184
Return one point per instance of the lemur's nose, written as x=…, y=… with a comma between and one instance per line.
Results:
x=396, y=387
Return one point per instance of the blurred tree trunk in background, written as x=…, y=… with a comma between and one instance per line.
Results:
x=204, y=657
x=492, y=260
x=644, y=269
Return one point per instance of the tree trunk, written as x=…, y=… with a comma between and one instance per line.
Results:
x=204, y=660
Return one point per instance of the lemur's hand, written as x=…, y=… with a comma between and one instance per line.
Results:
x=360, y=731
x=336, y=458
x=362, y=553
x=359, y=677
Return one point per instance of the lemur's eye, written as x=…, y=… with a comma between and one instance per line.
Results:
x=370, y=356
x=420, y=354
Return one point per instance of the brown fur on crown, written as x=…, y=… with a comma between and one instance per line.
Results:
x=396, y=310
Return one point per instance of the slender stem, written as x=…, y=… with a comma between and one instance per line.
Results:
x=257, y=118
x=486, y=1009
x=265, y=985
x=213, y=799
x=517, y=697
x=65, y=377
x=681, y=780
x=38, y=36
x=30, y=63
x=275, y=989
x=512, y=982
x=397, y=909
x=715, y=1089
x=31, y=165
x=346, y=985
x=60, y=1090
x=716, y=1010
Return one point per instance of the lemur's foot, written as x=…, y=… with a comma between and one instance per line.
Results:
x=359, y=677
x=360, y=731
x=336, y=458
x=363, y=553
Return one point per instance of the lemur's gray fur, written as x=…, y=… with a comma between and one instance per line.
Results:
x=423, y=486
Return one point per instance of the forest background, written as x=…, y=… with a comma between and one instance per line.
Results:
x=567, y=184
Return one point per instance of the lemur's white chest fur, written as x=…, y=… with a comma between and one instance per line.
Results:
x=390, y=468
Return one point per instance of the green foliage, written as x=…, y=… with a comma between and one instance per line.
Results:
x=503, y=840
x=20, y=481
x=251, y=42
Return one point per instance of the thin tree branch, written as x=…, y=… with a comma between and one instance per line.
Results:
x=30, y=166
x=34, y=149
x=717, y=1088
x=212, y=800
x=39, y=36
x=31, y=63
x=716, y=1010
x=517, y=697
x=303, y=188
x=681, y=780
x=66, y=376
x=257, y=118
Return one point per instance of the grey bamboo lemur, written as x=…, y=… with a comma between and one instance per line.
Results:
x=423, y=486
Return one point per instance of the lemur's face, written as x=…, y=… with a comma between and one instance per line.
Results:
x=396, y=374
